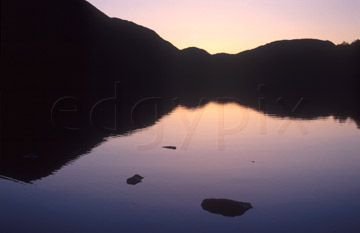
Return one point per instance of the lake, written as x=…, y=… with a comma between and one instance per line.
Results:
x=300, y=175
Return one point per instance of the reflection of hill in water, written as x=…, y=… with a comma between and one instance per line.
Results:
x=72, y=51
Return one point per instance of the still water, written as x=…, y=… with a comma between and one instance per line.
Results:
x=299, y=176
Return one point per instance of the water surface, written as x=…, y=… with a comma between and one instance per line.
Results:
x=299, y=176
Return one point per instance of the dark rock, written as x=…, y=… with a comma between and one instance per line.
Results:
x=135, y=179
x=170, y=147
x=225, y=207
x=31, y=156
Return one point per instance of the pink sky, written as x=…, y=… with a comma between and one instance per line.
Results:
x=233, y=26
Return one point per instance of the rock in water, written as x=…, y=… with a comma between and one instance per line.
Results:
x=170, y=147
x=135, y=179
x=31, y=156
x=225, y=207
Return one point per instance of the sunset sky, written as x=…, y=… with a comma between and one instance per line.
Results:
x=233, y=26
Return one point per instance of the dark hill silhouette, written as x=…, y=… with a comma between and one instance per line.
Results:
x=68, y=48
x=78, y=41
x=194, y=52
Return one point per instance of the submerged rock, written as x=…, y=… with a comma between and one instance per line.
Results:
x=170, y=147
x=135, y=179
x=225, y=207
x=31, y=156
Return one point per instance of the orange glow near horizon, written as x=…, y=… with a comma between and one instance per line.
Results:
x=233, y=26
x=220, y=127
